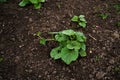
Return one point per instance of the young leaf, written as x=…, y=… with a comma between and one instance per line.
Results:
x=68, y=32
x=60, y=37
x=83, y=46
x=82, y=18
x=43, y=41
x=34, y=1
x=73, y=45
x=75, y=18
x=83, y=53
x=24, y=3
x=38, y=34
x=80, y=37
x=37, y=6
x=55, y=53
x=69, y=55
x=83, y=24
x=41, y=0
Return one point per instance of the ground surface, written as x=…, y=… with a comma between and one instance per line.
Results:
x=25, y=59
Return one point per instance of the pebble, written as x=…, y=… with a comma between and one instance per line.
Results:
x=112, y=61
x=100, y=75
x=116, y=35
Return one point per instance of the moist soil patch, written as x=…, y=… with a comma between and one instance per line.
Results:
x=25, y=59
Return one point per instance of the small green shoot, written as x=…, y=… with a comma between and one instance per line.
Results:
x=116, y=6
x=2, y=1
x=37, y=3
x=80, y=20
x=118, y=24
x=103, y=16
x=1, y=59
x=71, y=45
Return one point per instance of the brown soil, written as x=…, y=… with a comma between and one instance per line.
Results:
x=25, y=59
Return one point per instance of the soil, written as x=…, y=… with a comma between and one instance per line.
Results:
x=25, y=59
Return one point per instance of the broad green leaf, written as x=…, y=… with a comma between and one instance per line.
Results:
x=68, y=32
x=83, y=53
x=55, y=53
x=60, y=37
x=37, y=6
x=83, y=24
x=69, y=55
x=24, y=3
x=81, y=16
x=83, y=46
x=80, y=37
x=73, y=45
x=41, y=0
x=43, y=41
x=75, y=18
x=34, y=1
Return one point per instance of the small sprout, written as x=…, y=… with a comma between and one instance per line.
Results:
x=38, y=34
x=43, y=41
x=116, y=6
x=118, y=24
x=37, y=3
x=1, y=59
x=80, y=20
x=103, y=16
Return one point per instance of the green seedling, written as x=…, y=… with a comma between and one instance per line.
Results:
x=71, y=45
x=103, y=16
x=118, y=24
x=2, y=1
x=37, y=3
x=1, y=59
x=80, y=20
x=117, y=69
x=116, y=6
x=97, y=58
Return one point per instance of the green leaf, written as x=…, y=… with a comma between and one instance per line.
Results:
x=75, y=18
x=82, y=18
x=37, y=6
x=80, y=37
x=1, y=1
x=83, y=46
x=83, y=24
x=69, y=55
x=68, y=32
x=41, y=0
x=73, y=45
x=60, y=37
x=55, y=53
x=43, y=41
x=1, y=59
x=34, y=1
x=83, y=53
x=24, y=3
x=38, y=34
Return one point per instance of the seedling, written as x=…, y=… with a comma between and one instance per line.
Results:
x=80, y=20
x=37, y=3
x=103, y=16
x=116, y=6
x=71, y=45
x=1, y=1
x=118, y=24
x=1, y=59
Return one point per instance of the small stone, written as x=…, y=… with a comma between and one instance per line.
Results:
x=116, y=34
x=112, y=61
x=100, y=75
x=30, y=20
